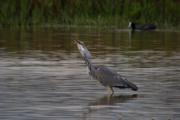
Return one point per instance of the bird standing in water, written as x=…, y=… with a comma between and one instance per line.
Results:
x=108, y=78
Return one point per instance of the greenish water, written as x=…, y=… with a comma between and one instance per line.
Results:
x=42, y=75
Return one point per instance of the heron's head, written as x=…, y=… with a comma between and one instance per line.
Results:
x=78, y=42
x=82, y=48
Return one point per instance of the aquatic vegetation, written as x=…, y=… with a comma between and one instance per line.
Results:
x=164, y=13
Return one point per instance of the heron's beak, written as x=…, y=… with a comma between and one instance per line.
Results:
x=75, y=41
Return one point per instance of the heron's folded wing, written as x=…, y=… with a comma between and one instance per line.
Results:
x=110, y=78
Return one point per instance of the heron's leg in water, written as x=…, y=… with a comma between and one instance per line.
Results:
x=109, y=97
x=90, y=76
x=110, y=90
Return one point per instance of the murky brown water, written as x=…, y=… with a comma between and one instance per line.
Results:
x=42, y=75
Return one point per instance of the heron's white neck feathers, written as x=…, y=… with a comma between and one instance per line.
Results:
x=84, y=51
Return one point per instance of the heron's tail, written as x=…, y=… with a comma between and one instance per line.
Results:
x=131, y=85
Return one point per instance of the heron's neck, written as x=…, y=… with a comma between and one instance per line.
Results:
x=88, y=62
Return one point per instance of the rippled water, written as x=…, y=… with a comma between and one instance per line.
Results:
x=43, y=77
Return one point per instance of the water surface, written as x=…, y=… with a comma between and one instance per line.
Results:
x=43, y=77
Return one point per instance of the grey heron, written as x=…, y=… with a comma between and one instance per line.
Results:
x=104, y=75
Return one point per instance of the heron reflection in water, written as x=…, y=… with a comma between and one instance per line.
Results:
x=104, y=75
x=106, y=102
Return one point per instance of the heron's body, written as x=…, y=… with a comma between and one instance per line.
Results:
x=104, y=75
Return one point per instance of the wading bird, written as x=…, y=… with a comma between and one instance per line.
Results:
x=133, y=26
x=104, y=75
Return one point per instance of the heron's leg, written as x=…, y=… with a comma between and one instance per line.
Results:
x=109, y=97
x=90, y=76
x=110, y=90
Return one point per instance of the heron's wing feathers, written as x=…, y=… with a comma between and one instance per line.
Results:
x=110, y=78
